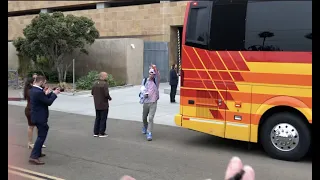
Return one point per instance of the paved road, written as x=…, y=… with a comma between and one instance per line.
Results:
x=175, y=153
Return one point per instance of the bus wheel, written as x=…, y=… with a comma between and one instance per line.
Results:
x=285, y=136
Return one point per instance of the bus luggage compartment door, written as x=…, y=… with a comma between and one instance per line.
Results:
x=206, y=112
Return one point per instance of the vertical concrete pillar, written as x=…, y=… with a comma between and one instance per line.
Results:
x=102, y=5
x=46, y=10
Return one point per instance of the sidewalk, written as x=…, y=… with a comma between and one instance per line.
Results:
x=124, y=105
x=14, y=94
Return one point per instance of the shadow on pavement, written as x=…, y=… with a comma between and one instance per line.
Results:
x=210, y=142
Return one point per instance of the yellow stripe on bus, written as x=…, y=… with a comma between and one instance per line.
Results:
x=268, y=67
x=247, y=108
x=280, y=68
x=274, y=89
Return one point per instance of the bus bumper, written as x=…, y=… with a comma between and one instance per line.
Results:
x=178, y=119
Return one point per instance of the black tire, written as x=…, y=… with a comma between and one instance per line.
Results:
x=304, y=137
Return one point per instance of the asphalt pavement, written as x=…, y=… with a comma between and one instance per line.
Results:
x=174, y=154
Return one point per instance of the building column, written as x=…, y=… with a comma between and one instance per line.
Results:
x=102, y=5
x=46, y=11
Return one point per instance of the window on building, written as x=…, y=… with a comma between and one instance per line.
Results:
x=132, y=3
x=279, y=26
x=74, y=8
x=80, y=7
x=23, y=13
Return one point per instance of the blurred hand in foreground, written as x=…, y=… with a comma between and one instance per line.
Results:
x=235, y=166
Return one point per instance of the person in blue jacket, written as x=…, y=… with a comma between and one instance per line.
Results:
x=40, y=99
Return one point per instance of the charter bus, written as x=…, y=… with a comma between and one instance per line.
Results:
x=246, y=73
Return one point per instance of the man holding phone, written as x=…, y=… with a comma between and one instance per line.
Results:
x=151, y=96
x=40, y=99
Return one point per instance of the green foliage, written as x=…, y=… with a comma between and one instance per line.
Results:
x=43, y=64
x=53, y=36
x=52, y=76
x=86, y=82
x=24, y=65
x=111, y=81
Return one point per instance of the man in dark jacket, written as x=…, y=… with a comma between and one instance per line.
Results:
x=173, y=82
x=39, y=102
x=101, y=97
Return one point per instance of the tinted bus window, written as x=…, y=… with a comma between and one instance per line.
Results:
x=279, y=26
x=228, y=25
x=198, y=30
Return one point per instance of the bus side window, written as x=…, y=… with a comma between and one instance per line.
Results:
x=228, y=25
x=198, y=30
x=279, y=26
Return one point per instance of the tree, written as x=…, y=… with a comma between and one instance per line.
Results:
x=264, y=35
x=25, y=65
x=42, y=64
x=53, y=37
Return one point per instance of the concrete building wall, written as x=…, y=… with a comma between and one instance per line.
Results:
x=27, y=5
x=152, y=22
x=115, y=56
x=134, y=61
x=13, y=62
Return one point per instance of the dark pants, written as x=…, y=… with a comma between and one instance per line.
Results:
x=100, y=124
x=173, y=93
x=42, y=135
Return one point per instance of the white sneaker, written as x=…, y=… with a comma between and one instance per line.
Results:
x=95, y=135
x=103, y=135
x=30, y=146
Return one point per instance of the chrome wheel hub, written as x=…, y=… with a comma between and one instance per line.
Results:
x=284, y=137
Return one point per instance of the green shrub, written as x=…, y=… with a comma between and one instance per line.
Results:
x=86, y=82
x=52, y=76
x=111, y=81
x=120, y=83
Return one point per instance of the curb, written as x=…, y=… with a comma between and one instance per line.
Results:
x=121, y=87
x=14, y=99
